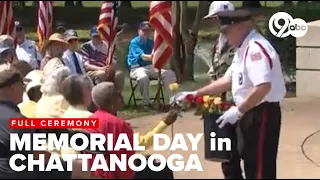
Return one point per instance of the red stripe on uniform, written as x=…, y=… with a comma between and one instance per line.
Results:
x=261, y=138
x=265, y=53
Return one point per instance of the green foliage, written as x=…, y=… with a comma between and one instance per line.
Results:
x=286, y=47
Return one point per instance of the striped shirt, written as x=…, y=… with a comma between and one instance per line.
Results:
x=96, y=55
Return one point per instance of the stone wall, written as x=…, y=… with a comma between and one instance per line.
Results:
x=308, y=62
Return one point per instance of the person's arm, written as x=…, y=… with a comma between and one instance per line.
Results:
x=147, y=139
x=215, y=87
x=138, y=53
x=146, y=57
x=91, y=67
x=259, y=65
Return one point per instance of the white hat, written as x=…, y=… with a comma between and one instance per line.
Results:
x=33, y=79
x=218, y=6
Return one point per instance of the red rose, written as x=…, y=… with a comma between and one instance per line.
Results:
x=199, y=100
x=226, y=106
x=189, y=98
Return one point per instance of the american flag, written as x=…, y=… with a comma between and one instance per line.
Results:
x=162, y=21
x=6, y=17
x=45, y=18
x=108, y=22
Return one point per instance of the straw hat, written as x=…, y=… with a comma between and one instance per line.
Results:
x=57, y=37
x=33, y=79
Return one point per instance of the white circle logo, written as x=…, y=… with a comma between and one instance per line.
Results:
x=295, y=27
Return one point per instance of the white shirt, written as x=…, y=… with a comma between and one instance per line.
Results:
x=256, y=62
x=69, y=61
x=29, y=52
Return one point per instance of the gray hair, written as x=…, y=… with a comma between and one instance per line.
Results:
x=72, y=88
x=53, y=82
x=101, y=93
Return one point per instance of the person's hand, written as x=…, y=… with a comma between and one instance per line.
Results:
x=231, y=116
x=180, y=97
x=171, y=117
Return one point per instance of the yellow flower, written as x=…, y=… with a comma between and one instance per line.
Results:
x=206, y=105
x=206, y=99
x=217, y=101
x=174, y=86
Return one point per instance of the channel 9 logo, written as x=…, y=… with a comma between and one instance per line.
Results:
x=295, y=27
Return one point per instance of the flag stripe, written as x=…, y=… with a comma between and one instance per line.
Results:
x=45, y=19
x=7, y=20
x=161, y=19
x=108, y=22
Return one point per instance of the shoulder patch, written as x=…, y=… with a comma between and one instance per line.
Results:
x=256, y=56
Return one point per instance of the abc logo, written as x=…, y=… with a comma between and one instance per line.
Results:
x=295, y=27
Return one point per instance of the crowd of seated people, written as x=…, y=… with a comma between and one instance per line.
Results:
x=62, y=80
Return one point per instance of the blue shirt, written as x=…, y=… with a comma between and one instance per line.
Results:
x=136, y=49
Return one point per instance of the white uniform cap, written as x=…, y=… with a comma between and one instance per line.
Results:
x=218, y=6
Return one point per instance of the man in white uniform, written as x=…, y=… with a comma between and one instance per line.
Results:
x=257, y=84
x=26, y=49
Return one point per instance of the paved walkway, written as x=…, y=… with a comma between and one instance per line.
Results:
x=300, y=119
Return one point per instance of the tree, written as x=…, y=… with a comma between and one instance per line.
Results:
x=69, y=4
x=126, y=4
x=287, y=3
x=185, y=41
x=251, y=4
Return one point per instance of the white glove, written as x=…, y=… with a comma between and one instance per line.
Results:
x=231, y=116
x=179, y=97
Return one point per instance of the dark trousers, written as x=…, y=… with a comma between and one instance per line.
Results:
x=256, y=143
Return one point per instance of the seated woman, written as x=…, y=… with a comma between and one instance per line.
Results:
x=109, y=101
x=52, y=103
x=53, y=49
x=76, y=89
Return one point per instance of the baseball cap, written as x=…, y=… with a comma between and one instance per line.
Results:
x=4, y=47
x=19, y=26
x=219, y=6
x=61, y=26
x=7, y=40
x=232, y=17
x=94, y=31
x=9, y=77
x=70, y=34
x=145, y=25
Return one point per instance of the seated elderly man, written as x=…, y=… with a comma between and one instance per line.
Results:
x=109, y=101
x=26, y=49
x=140, y=62
x=95, y=53
x=76, y=89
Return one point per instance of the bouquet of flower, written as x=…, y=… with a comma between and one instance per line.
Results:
x=204, y=104
x=208, y=104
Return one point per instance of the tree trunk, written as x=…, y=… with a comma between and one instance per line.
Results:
x=126, y=4
x=79, y=4
x=251, y=4
x=174, y=63
x=69, y=4
x=186, y=41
